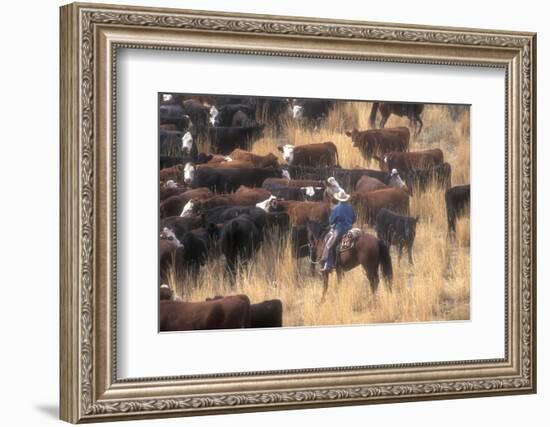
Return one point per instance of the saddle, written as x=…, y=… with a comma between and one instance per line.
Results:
x=348, y=240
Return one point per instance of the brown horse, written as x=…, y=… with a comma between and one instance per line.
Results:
x=409, y=110
x=368, y=252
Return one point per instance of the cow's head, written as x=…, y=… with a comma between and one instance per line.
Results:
x=188, y=124
x=353, y=135
x=213, y=115
x=311, y=193
x=396, y=181
x=168, y=234
x=267, y=204
x=297, y=112
x=188, y=209
x=166, y=293
x=186, y=143
x=203, y=158
x=270, y=160
x=170, y=184
x=288, y=153
x=285, y=174
x=189, y=173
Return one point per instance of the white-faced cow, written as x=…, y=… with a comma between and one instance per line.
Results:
x=310, y=155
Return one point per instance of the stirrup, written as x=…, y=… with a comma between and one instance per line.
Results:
x=325, y=268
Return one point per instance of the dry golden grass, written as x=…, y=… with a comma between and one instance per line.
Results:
x=436, y=287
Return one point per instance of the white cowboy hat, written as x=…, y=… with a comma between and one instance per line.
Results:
x=342, y=196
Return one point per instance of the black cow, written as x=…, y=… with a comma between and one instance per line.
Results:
x=347, y=178
x=222, y=214
x=421, y=179
x=277, y=220
x=197, y=113
x=227, y=180
x=266, y=314
x=194, y=250
x=309, y=111
x=170, y=143
x=181, y=225
x=457, y=201
x=396, y=230
x=241, y=119
x=240, y=239
x=263, y=220
x=284, y=192
x=174, y=114
x=272, y=110
x=224, y=140
x=223, y=115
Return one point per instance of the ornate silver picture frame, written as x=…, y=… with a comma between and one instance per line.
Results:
x=91, y=35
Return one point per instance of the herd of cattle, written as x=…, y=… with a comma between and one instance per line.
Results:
x=226, y=202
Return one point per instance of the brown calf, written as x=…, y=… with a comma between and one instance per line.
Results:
x=371, y=202
x=174, y=173
x=244, y=196
x=367, y=183
x=267, y=161
x=313, y=155
x=380, y=141
x=301, y=212
x=407, y=162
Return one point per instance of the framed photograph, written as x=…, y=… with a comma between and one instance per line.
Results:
x=267, y=212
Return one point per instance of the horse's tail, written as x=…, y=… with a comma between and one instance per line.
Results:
x=373, y=111
x=385, y=260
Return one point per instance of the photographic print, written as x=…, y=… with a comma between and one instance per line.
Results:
x=281, y=212
x=193, y=206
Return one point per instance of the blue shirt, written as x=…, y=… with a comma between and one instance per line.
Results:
x=342, y=217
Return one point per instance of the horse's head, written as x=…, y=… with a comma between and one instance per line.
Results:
x=316, y=232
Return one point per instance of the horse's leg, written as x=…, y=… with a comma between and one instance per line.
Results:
x=385, y=118
x=339, y=275
x=399, y=252
x=312, y=269
x=325, y=285
x=312, y=260
x=409, y=250
x=421, y=124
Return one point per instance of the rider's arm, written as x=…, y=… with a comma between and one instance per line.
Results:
x=333, y=216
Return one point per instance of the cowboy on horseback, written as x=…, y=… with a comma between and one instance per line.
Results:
x=341, y=221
